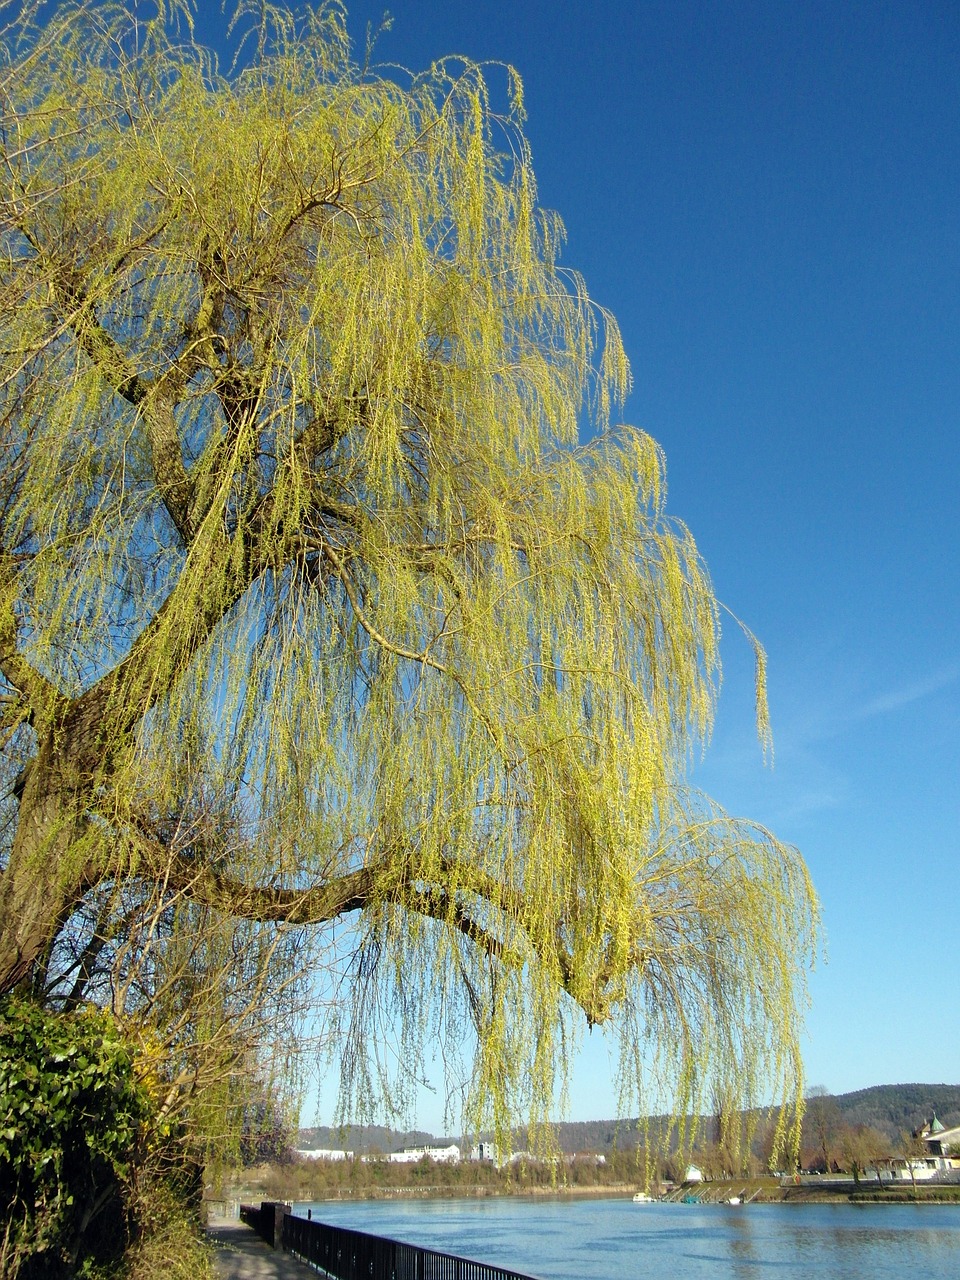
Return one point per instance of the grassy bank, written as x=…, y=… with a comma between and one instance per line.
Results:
x=356, y=1180
x=367, y=1180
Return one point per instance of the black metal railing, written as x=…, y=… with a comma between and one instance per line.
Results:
x=267, y=1220
x=355, y=1255
x=252, y=1215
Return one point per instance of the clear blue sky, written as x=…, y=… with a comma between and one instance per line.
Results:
x=767, y=195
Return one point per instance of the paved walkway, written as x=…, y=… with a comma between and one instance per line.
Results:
x=242, y=1255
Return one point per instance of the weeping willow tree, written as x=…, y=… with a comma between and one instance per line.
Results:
x=327, y=648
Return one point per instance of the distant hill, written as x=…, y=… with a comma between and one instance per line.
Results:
x=890, y=1108
x=366, y=1138
x=895, y=1108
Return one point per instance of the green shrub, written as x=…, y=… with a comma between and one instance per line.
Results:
x=72, y=1122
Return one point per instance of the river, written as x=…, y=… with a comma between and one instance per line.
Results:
x=619, y=1240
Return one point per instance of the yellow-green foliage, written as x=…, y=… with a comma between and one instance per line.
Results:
x=312, y=601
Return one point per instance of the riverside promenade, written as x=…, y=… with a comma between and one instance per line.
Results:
x=242, y=1255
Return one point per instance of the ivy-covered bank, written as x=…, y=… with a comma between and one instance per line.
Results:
x=89, y=1171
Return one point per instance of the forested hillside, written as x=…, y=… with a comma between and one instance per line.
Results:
x=895, y=1108
x=366, y=1138
x=892, y=1109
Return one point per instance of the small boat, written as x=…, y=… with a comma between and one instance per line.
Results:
x=642, y=1198
x=735, y=1200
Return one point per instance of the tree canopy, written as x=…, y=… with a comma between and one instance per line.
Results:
x=349, y=654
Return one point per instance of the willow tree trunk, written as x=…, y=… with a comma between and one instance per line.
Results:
x=46, y=873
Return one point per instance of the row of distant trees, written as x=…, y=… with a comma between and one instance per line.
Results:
x=830, y=1143
x=853, y=1149
x=305, y=1179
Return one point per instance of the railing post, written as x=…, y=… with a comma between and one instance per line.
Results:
x=273, y=1213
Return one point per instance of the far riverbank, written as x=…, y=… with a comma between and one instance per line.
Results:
x=764, y=1190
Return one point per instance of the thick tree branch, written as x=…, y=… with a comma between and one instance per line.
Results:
x=37, y=692
x=318, y=904
x=166, y=455
x=163, y=650
x=154, y=400
x=363, y=888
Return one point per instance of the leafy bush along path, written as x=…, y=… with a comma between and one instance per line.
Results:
x=72, y=1119
x=242, y=1255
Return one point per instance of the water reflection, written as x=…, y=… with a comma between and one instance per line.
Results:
x=744, y=1254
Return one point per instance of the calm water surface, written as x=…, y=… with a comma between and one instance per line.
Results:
x=618, y=1240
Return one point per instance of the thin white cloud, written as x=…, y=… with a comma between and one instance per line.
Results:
x=905, y=696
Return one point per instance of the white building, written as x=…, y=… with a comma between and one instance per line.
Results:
x=941, y=1161
x=941, y=1142
x=441, y=1155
